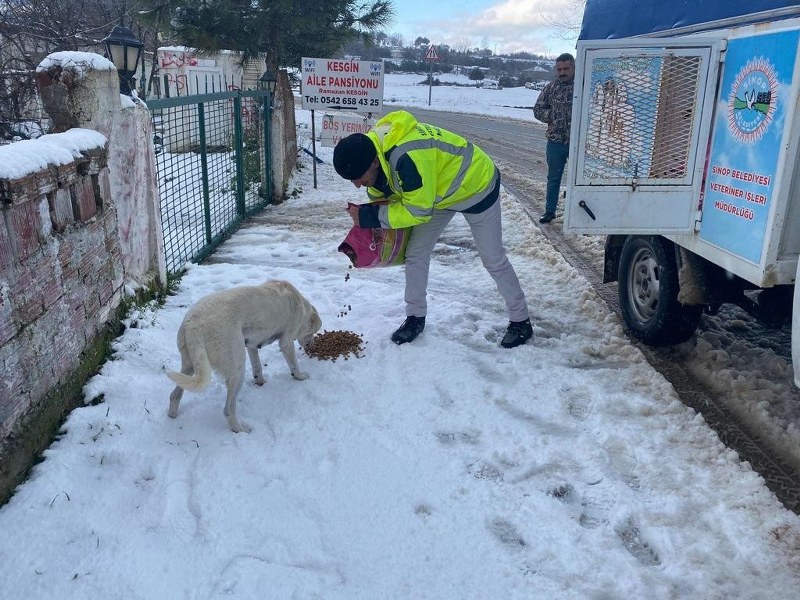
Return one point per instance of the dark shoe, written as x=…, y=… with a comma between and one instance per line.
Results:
x=518, y=333
x=409, y=330
x=547, y=217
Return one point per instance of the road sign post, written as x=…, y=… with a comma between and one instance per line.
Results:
x=431, y=55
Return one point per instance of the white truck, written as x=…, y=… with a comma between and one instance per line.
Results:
x=684, y=153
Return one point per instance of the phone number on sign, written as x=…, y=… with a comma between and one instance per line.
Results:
x=337, y=100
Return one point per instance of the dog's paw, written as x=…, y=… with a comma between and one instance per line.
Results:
x=300, y=375
x=241, y=427
x=259, y=380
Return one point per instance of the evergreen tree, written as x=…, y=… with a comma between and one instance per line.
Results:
x=476, y=74
x=283, y=30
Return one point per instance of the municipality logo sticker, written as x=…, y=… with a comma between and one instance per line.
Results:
x=752, y=101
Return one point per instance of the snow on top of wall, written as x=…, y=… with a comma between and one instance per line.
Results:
x=20, y=159
x=76, y=61
x=128, y=101
x=176, y=49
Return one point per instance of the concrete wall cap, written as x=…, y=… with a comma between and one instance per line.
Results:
x=76, y=61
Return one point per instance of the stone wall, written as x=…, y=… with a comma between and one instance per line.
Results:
x=79, y=231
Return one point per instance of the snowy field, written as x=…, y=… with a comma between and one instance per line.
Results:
x=404, y=89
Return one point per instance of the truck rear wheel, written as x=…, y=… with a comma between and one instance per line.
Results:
x=648, y=292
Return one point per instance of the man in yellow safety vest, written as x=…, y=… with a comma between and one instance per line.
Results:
x=421, y=176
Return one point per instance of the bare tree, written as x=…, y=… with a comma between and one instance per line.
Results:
x=397, y=39
x=461, y=44
x=32, y=29
x=568, y=21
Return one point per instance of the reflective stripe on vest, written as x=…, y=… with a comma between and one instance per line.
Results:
x=465, y=152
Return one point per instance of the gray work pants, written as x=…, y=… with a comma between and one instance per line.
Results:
x=487, y=233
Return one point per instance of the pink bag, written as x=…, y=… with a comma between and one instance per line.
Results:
x=369, y=248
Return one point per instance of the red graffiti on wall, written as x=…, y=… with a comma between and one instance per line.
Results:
x=173, y=60
x=177, y=82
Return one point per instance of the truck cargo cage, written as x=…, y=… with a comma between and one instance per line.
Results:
x=643, y=106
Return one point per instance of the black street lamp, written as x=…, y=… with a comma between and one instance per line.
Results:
x=267, y=82
x=124, y=49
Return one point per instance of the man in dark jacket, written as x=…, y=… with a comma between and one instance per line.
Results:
x=554, y=107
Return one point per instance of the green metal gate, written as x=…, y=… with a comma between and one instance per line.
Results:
x=213, y=159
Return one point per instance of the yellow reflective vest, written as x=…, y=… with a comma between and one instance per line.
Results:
x=455, y=174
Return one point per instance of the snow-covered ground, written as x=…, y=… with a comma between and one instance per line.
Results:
x=449, y=468
x=754, y=376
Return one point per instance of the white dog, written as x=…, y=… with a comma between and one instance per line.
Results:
x=218, y=328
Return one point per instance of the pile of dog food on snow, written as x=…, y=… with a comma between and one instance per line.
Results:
x=330, y=345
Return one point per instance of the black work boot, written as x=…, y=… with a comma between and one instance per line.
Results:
x=409, y=330
x=518, y=333
x=547, y=217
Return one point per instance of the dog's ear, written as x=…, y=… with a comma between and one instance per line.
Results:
x=315, y=320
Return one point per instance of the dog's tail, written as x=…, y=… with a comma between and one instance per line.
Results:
x=199, y=361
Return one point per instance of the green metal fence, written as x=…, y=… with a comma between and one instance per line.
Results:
x=213, y=160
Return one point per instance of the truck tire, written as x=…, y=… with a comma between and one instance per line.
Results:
x=648, y=293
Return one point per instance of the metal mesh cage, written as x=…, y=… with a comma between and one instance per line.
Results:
x=641, y=117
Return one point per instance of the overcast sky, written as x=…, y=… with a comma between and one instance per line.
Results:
x=500, y=25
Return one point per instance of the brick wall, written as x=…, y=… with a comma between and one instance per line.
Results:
x=61, y=275
x=80, y=227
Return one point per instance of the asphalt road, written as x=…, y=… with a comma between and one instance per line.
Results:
x=517, y=147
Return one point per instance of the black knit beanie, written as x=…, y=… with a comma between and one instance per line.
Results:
x=353, y=155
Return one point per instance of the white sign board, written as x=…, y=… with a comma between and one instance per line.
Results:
x=355, y=85
x=337, y=126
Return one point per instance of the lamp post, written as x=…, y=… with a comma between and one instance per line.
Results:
x=124, y=49
x=267, y=83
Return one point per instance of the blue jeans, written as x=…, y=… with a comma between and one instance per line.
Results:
x=556, y=161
